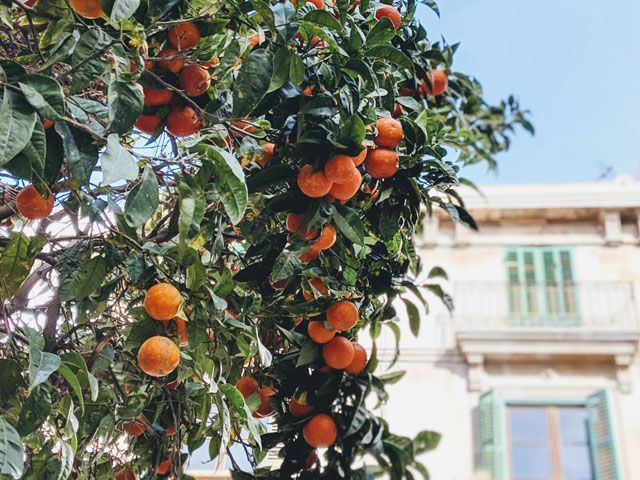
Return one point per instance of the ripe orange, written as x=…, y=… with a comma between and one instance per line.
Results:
x=293, y=224
x=163, y=467
x=307, y=91
x=195, y=80
x=346, y=191
x=184, y=35
x=148, y=123
x=342, y=315
x=319, y=333
x=340, y=169
x=137, y=427
x=158, y=356
x=30, y=204
x=242, y=127
x=438, y=81
x=338, y=353
x=382, y=163
x=247, y=385
x=318, y=285
x=397, y=111
x=47, y=123
x=320, y=431
x=359, y=360
x=269, y=149
x=299, y=409
x=313, y=184
x=407, y=91
x=359, y=159
x=162, y=301
x=183, y=122
x=154, y=97
x=87, y=8
x=125, y=474
x=174, y=63
x=171, y=430
x=391, y=13
x=181, y=325
x=309, y=255
x=389, y=132
x=264, y=409
x=327, y=238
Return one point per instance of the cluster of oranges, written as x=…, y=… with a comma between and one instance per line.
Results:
x=193, y=79
x=323, y=240
x=383, y=161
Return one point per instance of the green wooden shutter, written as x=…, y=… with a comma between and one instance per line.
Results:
x=490, y=436
x=601, y=437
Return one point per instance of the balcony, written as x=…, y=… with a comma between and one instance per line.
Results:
x=588, y=321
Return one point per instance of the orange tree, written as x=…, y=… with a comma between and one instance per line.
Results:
x=205, y=204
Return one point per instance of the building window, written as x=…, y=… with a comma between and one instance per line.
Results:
x=541, y=287
x=549, y=443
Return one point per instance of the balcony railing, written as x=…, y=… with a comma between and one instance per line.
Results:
x=588, y=305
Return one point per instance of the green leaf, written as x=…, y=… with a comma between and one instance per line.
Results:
x=280, y=75
x=392, y=54
x=87, y=59
x=309, y=353
x=283, y=13
x=90, y=276
x=263, y=8
x=324, y=19
x=41, y=364
x=229, y=181
x=264, y=355
x=73, y=382
x=252, y=83
x=35, y=410
x=142, y=201
x=426, y=441
x=414, y=316
x=234, y=396
x=125, y=105
x=44, y=94
x=123, y=9
x=64, y=464
x=10, y=378
x=286, y=265
x=10, y=450
x=15, y=262
x=80, y=151
x=17, y=120
x=440, y=293
x=381, y=33
x=296, y=69
x=29, y=164
x=432, y=5
x=117, y=163
x=348, y=223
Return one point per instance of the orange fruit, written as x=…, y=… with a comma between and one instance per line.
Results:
x=319, y=333
x=181, y=324
x=309, y=255
x=215, y=61
x=298, y=409
x=359, y=360
x=406, y=91
x=391, y=13
x=125, y=474
x=389, y=132
x=154, y=97
x=313, y=184
x=148, y=123
x=87, y=8
x=137, y=427
x=184, y=35
x=327, y=238
x=247, y=385
x=195, y=80
x=183, y=122
x=382, y=163
x=269, y=149
x=172, y=385
x=47, y=123
x=294, y=223
x=342, y=315
x=312, y=458
x=338, y=353
x=318, y=285
x=158, y=356
x=346, y=191
x=264, y=409
x=307, y=91
x=340, y=169
x=30, y=204
x=359, y=159
x=171, y=430
x=174, y=64
x=397, y=111
x=242, y=127
x=162, y=301
x=438, y=81
x=163, y=467
x=320, y=431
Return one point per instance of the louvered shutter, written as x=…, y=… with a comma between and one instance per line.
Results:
x=601, y=437
x=490, y=436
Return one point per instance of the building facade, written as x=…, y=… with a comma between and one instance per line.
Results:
x=534, y=376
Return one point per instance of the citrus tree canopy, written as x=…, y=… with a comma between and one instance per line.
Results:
x=207, y=204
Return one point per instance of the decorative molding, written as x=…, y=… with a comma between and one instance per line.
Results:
x=612, y=228
x=623, y=375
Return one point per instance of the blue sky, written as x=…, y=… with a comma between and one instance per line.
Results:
x=573, y=63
